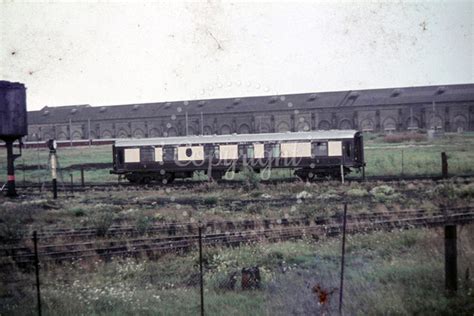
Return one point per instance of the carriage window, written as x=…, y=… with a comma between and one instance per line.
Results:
x=211, y=151
x=168, y=153
x=272, y=150
x=246, y=151
x=189, y=152
x=250, y=152
x=276, y=150
x=132, y=155
x=320, y=149
x=147, y=154
x=242, y=150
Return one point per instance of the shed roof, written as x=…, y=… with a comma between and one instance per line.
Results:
x=302, y=101
x=236, y=138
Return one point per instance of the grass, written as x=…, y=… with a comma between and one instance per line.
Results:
x=384, y=157
x=210, y=201
x=386, y=273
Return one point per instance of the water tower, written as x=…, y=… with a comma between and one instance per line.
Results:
x=13, y=124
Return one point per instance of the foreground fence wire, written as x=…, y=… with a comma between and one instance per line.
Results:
x=181, y=244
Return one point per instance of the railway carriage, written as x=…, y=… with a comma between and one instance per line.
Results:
x=311, y=154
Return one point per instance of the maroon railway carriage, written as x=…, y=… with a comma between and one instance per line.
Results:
x=311, y=154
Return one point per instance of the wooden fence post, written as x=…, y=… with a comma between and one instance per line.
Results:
x=201, y=276
x=444, y=165
x=450, y=256
x=82, y=177
x=38, y=293
x=343, y=253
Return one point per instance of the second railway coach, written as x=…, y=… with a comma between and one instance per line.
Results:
x=311, y=154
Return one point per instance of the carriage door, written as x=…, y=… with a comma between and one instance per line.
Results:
x=348, y=150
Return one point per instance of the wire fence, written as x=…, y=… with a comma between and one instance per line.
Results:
x=206, y=275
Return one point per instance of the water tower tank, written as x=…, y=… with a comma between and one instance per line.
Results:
x=13, y=121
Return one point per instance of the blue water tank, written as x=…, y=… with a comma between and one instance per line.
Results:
x=13, y=116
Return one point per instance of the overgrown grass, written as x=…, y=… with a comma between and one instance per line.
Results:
x=212, y=202
x=386, y=273
x=419, y=156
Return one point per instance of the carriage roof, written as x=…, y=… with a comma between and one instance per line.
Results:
x=237, y=138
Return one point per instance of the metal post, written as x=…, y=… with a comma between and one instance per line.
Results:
x=82, y=177
x=89, y=130
x=70, y=133
x=72, y=184
x=202, y=124
x=451, y=264
x=403, y=160
x=201, y=280
x=444, y=165
x=342, y=257
x=54, y=174
x=342, y=174
x=38, y=293
x=11, y=190
x=186, y=123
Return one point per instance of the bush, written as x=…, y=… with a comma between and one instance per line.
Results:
x=466, y=192
x=102, y=222
x=445, y=192
x=14, y=220
x=78, y=212
x=358, y=193
x=251, y=179
x=210, y=200
x=384, y=193
x=143, y=223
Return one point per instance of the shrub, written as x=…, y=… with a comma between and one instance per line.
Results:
x=102, y=222
x=445, y=192
x=143, y=223
x=466, y=192
x=255, y=194
x=78, y=212
x=254, y=208
x=210, y=200
x=251, y=179
x=384, y=193
x=14, y=220
x=358, y=193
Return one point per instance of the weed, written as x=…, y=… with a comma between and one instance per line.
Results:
x=357, y=192
x=384, y=193
x=210, y=200
x=251, y=179
x=143, y=223
x=102, y=221
x=78, y=212
x=466, y=192
x=14, y=220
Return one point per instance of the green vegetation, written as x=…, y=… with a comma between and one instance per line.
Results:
x=386, y=273
x=421, y=157
x=383, y=154
x=211, y=201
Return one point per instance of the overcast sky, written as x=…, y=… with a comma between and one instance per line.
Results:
x=104, y=54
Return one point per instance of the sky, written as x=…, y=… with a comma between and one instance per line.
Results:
x=120, y=53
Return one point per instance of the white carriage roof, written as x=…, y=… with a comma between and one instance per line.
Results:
x=236, y=138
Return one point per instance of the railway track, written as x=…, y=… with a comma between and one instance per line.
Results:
x=63, y=245
x=188, y=184
x=177, y=228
